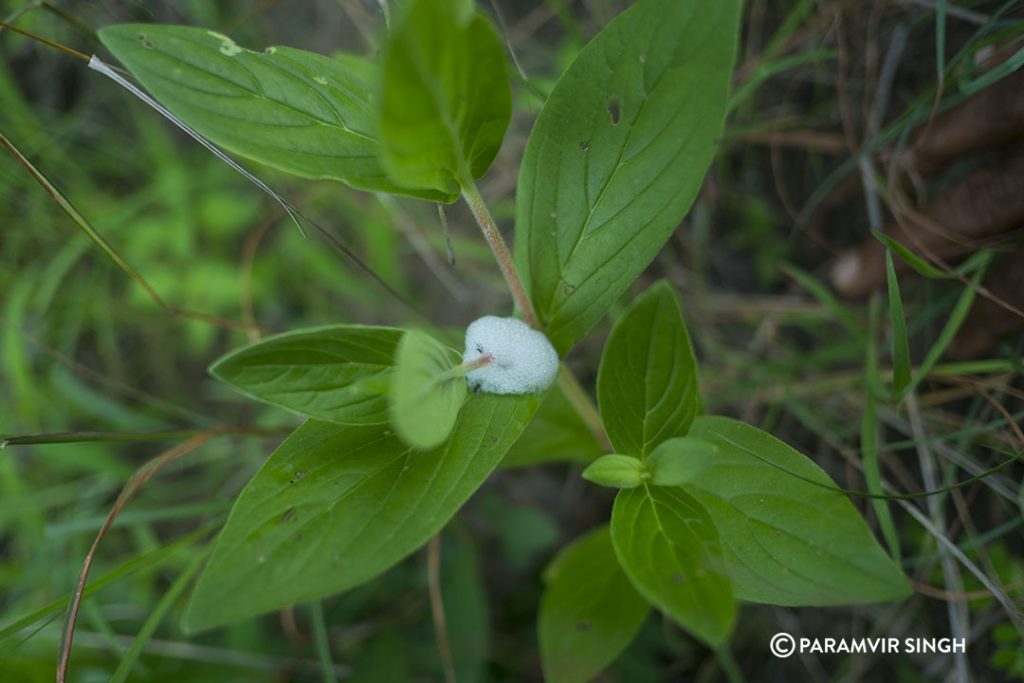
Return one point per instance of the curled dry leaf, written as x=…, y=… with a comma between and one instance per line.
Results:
x=991, y=119
x=988, y=322
x=983, y=207
x=980, y=208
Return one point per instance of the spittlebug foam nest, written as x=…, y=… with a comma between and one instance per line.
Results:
x=522, y=359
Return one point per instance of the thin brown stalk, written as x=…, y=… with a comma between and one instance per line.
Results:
x=939, y=594
x=252, y=245
x=46, y=41
x=501, y=253
x=120, y=437
x=444, y=645
x=570, y=386
x=579, y=399
x=141, y=476
x=107, y=248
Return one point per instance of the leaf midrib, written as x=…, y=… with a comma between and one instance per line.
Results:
x=253, y=93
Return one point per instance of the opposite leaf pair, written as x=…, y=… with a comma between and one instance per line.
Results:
x=613, y=163
x=711, y=511
x=665, y=466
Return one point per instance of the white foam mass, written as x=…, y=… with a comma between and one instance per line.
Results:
x=522, y=359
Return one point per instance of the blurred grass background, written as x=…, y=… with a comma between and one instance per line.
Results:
x=84, y=349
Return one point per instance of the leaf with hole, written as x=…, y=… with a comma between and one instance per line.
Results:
x=789, y=537
x=647, y=384
x=617, y=156
x=589, y=611
x=338, y=373
x=670, y=550
x=335, y=506
x=427, y=390
x=445, y=100
x=298, y=111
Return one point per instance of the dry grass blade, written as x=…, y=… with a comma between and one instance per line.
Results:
x=107, y=248
x=46, y=41
x=132, y=487
x=1009, y=606
x=117, y=74
x=959, y=619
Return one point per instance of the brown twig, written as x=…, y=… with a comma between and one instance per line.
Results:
x=939, y=594
x=107, y=248
x=249, y=249
x=134, y=437
x=141, y=476
x=444, y=645
x=46, y=41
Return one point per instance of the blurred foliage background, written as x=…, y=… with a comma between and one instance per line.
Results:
x=829, y=93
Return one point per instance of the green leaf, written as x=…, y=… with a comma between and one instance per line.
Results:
x=900, y=343
x=667, y=464
x=156, y=616
x=334, y=506
x=617, y=156
x=338, y=373
x=556, y=433
x=465, y=608
x=869, y=459
x=825, y=297
x=446, y=100
x=789, y=537
x=669, y=548
x=589, y=611
x=956, y=318
x=426, y=394
x=647, y=384
x=384, y=658
x=298, y=111
x=616, y=471
x=922, y=267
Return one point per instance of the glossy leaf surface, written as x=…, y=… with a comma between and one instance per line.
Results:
x=338, y=373
x=334, y=506
x=669, y=548
x=647, y=385
x=589, y=611
x=789, y=537
x=301, y=112
x=618, y=154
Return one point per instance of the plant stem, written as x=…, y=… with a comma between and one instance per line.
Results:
x=323, y=644
x=579, y=399
x=465, y=368
x=437, y=607
x=501, y=252
x=732, y=671
x=566, y=380
x=170, y=435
